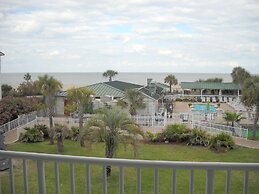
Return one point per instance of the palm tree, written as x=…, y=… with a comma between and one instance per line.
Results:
x=80, y=99
x=27, y=77
x=171, y=80
x=233, y=117
x=239, y=75
x=49, y=86
x=110, y=74
x=135, y=101
x=250, y=97
x=61, y=132
x=115, y=127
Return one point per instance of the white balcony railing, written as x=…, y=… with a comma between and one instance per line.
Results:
x=209, y=167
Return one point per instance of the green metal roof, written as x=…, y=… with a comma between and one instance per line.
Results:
x=117, y=89
x=102, y=89
x=209, y=85
x=146, y=91
x=161, y=85
x=123, y=86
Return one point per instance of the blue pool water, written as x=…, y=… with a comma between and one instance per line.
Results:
x=203, y=107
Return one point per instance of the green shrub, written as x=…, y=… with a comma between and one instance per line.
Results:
x=59, y=128
x=44, y=129
x=175, y=133
x=74, y=133
x=32, y=135
x=198, y=137
x=178, y=100
x=151, y=137
x=221, y=142
x=186, y=100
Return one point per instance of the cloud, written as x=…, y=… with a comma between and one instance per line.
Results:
x=140, y=34
x=27, y=27
x=138, y=48
x=54, y=53
x=165, y=52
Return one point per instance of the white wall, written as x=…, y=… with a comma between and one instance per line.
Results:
x=59, y=110
x=151, y=107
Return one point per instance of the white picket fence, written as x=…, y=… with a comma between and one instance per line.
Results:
x=20, y=121
x=150, y=121
x=195, y=120
x=217, y=128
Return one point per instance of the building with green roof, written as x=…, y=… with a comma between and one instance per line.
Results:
x=211, y=89
x=210, y=86
x=110, y=92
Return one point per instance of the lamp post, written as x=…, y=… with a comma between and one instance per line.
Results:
x=1, y=54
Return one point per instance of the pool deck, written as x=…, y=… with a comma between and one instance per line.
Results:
x=184, y=107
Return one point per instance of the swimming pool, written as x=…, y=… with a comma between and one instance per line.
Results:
x=203, y=108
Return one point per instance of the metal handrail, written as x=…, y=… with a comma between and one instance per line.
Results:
x=40, y=159
x=130, y=162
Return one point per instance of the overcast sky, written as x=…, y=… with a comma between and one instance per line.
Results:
x=129, y=35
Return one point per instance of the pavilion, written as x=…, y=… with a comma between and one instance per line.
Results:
x=201, y=89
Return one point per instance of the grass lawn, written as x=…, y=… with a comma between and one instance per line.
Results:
x=146, y=151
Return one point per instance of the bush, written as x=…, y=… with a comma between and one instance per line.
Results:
x=32, y=135
x=61, y=132
x=44, y=129
x=59, y=128
x=74, y=133
x=186, y=100
x=198, y=137
x=11, y=107
x=221, y=142
x=175, y=133
x=152, y=137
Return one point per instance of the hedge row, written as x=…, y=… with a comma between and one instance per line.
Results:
x=195, y=137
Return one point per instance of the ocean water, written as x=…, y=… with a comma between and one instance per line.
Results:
x=82, y=79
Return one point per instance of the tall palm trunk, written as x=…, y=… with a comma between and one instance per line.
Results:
x=50, y=114
x=170, y=89
x=60, y=144
x=255, y=121
x=109, y=153
x=81, y=115
x=51, y=134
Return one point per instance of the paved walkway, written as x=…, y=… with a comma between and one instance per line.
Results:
x=246, y=143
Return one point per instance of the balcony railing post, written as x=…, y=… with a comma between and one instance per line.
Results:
x=104, y=180
x=56, y=171
x=88, y=179
x=174, y=182
x=156, y=181
x=210, y=182
x=138, y=181
x=228, y=182
x=25, y=177
x=41, y=177
x=11, y=176
x=191, y=182
x=0, y=185
x=245, y=182
x=121, y=180
x=72, y=178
